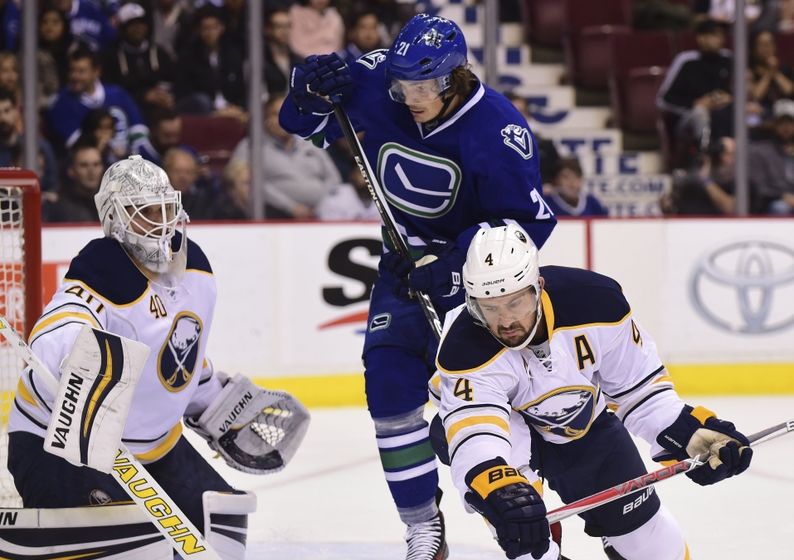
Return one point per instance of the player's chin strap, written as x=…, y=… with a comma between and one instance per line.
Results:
x=255, y=430
x=439, y=118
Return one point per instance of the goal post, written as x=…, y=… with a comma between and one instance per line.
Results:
x=20, y=290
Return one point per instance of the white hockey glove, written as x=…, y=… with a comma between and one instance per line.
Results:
x=254, y=430
x=98, y=379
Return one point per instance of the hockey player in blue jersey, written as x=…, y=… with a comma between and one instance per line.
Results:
x=450, y=153
x=545, y=371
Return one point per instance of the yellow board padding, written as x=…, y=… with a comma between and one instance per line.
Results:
x=733, y=379
x=347, y=389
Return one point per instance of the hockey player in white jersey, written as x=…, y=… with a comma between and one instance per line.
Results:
x=547, y=366
x=146, y=281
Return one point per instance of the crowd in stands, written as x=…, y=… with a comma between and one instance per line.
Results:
x=168, y=79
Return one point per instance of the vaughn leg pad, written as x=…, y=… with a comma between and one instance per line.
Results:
x=114, y=532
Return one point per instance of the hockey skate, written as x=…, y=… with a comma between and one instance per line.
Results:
x=427, y=540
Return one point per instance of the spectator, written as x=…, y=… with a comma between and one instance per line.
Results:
x=566, y=196
x=12, y=142
x=695, y=95
x=87, y=23
x=708, y=190
x=171, y=25
x=348, y=201
x=769, y=80
x=785, y=16
x=9, y=74
x=9, y=25
x=183, y=171
x=234, y=20
x=211, y=70
x=97, y=130
x=84, y=92
x=54, y=40
x=75, y=202
x=279, y=57
x=234, y=202
x=771, y=163
x=363, y=35
x=166, y=133
x=296, y=175
x=317, y=28
x=142, y=68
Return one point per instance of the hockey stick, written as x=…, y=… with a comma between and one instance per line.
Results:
x=131, y=475
x=646, y=480
x=379, y=198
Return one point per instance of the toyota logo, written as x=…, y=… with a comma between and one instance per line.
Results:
x=746, y=287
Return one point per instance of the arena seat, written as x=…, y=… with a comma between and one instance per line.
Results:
x=213, y=137
x=544, y=20
x=785, y=48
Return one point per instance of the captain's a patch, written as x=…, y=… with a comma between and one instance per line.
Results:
x=518, y=138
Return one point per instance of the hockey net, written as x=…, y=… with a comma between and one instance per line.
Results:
x=20, y=291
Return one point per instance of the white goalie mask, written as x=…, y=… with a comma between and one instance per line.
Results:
x=502, y=280
x=141, y=210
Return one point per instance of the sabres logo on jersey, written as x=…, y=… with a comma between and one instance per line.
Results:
x=517, y=137
x=177, y=360
x=566, y=411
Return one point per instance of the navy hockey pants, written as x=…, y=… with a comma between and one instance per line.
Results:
x=47, y=481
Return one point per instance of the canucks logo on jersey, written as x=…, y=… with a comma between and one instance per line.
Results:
x=418, y=183
x=517, y=137
x=567, y=411
x=176, y=362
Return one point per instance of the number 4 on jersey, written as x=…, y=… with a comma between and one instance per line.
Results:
x=463, y=390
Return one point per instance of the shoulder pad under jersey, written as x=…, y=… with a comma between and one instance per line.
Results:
x=467, y=347
x=108, y=271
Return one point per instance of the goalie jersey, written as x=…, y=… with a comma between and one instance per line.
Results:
x=597, y=356
x=104, y=289
x=479, y=165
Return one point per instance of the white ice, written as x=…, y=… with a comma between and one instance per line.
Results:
x=332, y=503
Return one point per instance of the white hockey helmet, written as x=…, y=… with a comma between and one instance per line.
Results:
x=141, y=210
x=502, y=261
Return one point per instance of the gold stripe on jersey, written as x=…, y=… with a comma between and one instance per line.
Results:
x=548, y=312
x=23, y=392
x=105, y=299
x=168, y=443
x=476, y=421
x=107, y=376
x=54, y=318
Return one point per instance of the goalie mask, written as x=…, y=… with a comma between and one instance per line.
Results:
x=502, y=280
x=141, y=210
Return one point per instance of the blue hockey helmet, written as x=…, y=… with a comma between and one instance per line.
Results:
x=428, y=47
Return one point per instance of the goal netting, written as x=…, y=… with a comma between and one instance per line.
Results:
x=20, y=291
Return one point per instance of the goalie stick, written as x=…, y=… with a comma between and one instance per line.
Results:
x=646, y=480
x=131, y=475
x=379, y=198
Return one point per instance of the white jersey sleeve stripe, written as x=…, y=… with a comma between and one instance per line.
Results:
x=645, y=380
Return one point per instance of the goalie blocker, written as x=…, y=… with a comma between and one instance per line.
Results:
x=255, y=430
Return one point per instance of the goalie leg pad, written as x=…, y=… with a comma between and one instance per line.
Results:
x=98, y=379
x=255, y=430
x=658, y=539
x=226, y=522
x=47, y=481
x=113, y=532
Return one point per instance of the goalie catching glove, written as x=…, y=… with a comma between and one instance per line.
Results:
x=512, y=505
x=698, y=430
x=254, y=430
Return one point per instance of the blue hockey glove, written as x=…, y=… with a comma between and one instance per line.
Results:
x=697, y=430
x=319, y=79
x=438, y=273
x=511, y=505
